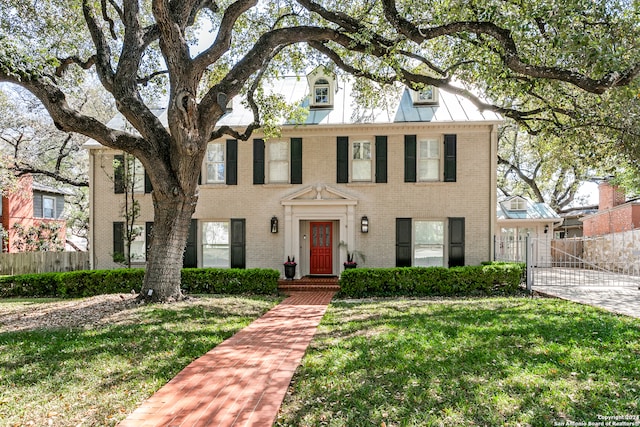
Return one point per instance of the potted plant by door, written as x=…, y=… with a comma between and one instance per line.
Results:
x=350, y=262
x=290, y=268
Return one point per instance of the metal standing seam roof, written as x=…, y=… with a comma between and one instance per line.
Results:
x=345, y=110
x=533, y=211
x=450, y=107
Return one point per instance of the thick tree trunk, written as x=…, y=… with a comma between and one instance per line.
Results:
x=164, y=262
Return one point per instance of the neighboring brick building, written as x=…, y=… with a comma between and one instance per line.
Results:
x=614, y=214
x=30, y=204
x=411, y=184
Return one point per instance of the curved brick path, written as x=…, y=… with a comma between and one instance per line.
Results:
x=242, y=381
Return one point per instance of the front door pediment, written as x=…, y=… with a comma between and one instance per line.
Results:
x=318, y=195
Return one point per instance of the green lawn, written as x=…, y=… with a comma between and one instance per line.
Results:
x=469, y=362
x=95, y=376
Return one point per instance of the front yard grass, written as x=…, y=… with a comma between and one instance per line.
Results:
x=95, y=375
x=469, y=362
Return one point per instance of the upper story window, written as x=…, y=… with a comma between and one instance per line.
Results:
x=215, y=163
x=428, y=160
x=321, y=92
x=278, y=161
x=361, y=161
x=129, y=175
x=322, y=86
x=518, y=204
x=137, y=176
x=48, y=207
x=427, y=95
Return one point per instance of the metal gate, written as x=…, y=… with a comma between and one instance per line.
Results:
x=604, y=261
x=573, y=263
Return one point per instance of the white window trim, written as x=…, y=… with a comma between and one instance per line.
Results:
x=140, y=238
x=416, y=96
x=269, y=162
x=440, y=159
x=415, y=245
x=137, y=175
x=329, y=86
x=518, y=204
x=53, y=199
x=201, y=240
x=371, y=159
x=205, y=172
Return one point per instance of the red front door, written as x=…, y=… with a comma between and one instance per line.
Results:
x=321, y=248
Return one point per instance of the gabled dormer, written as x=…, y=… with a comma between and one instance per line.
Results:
x=322, y=87
x=428, y=95
x=517, y=203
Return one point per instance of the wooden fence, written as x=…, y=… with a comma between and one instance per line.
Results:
x=42, y=262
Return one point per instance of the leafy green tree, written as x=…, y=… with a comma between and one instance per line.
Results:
x=513, y=53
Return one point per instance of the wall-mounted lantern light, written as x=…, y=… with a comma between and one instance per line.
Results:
x=364, y=224
x=546, y=229
x=274, y=224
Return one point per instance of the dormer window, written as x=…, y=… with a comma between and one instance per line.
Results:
x=427, y=95
x=518, y=204
x=321, y=88
x=321, y=92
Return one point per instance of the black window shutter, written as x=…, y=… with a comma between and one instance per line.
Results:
x=403, y=242
x=456, y=242
x=258, y=161
x=450, y=158
x=238, y=258
x=148, y=188
x=343, y=159
x=118, y=174
x=232, y=162
x=410, y=158
x=381, y=159
x=296, y=160
x=118, y=238
x=147, y=237
x=190, y=256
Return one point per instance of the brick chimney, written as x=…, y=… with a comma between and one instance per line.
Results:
x=610, y=196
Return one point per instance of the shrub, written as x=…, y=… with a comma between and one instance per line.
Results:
x=487, y=279
x=86, y=283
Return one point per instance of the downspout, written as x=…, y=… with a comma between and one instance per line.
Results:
x=92, y=186
x=493, y=190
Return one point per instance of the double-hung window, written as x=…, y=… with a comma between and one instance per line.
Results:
x=278, y=161
x=138, y=247
x=428, y=160
x=215, y=244
x=428, y=249
x=48, y=207
x=137, y=175
x=361, y=161
x=215, y=163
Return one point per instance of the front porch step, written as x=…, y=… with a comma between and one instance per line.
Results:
x=309, y=284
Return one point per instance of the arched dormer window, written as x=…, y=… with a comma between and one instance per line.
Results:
x=321, y=92
x=322, y=87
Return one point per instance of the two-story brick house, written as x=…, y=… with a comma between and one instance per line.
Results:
x=411, y=183
x=29, y=204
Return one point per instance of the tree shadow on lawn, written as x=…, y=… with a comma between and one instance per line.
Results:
x=466, y=362
x=118, y=365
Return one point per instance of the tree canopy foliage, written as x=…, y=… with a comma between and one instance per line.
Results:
x=550, y=65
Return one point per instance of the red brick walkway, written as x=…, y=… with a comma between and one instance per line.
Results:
x=242, y=381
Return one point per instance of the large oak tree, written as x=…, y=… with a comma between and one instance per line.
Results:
x=513, y=53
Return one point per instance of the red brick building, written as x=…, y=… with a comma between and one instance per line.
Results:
x=614, y=214
x=31, y=204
